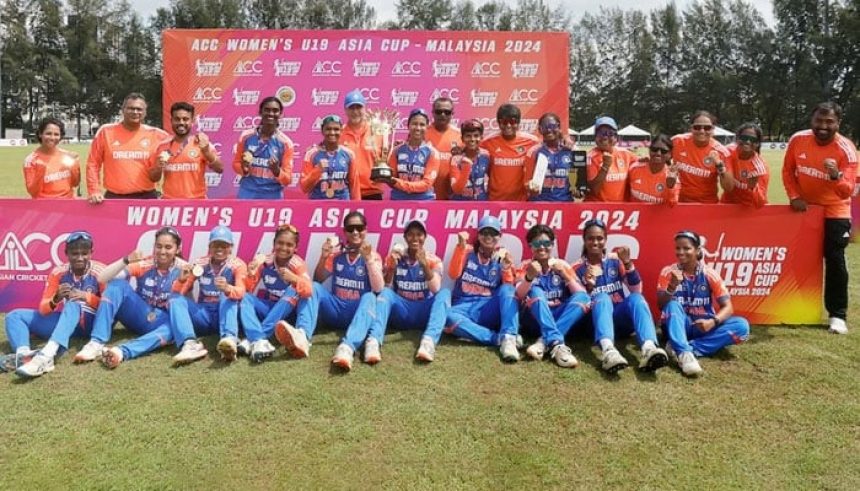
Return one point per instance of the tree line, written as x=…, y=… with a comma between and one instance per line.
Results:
x=653, y=69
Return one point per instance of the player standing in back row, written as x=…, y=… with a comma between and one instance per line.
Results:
x=508, y=156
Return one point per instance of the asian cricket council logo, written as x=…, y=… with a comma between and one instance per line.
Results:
x=208, y=68
x=524, y=96
x=208, y=95
x=248, y=68
x=365, y=68
x=284, y=68
x=406, y=69
x=453, y=94
x=324, y=68
x=442, y=69
x=486, y=69
x=15, y=257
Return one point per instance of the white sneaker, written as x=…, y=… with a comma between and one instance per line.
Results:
x=111, y=356
x=39, y=365
x=10, y=362
x=343, y=357
x=838, y=326
x=294, y=340
x=426, y=350
x=372, y=356
x=508, y=348
x=689, y=364
x=652, y=359
x=192, y=350
x=536, y=350
x=89, y=352
x=613, y=361
x=243, y=348
x=262, y=349
x=563, y=356
x=228, y=349
x=520, y=343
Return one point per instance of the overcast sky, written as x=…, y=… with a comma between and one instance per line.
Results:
x=385, y=8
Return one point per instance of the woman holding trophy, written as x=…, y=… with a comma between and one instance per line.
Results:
x=413, y=165
x=329, y=170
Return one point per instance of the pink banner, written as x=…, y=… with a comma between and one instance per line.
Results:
x=769, y=258
x=226, y=73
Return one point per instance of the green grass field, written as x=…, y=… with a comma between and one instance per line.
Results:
x=780, y=412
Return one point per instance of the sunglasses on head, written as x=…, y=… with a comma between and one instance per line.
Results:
x=659, y=150
x=354, y=228
x=538, y=243
x=443, y=112
x=594, y=222
x=287, y=227
x=79, y=235
x=169, y=231
x=703, y=127
x=748, y=138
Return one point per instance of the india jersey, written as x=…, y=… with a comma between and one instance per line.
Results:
x=410, y=282
x=700, y=295
x=742, y=171
x=556, y=181
x=125, y=156
x=469, y=179
x=261, y=181
x=272, y=284
x=52, y=176
x=185, y=170
x=477, y=278
x=87, y=282
x=648, y=187
x=507, y=165
x=698, y=179
x=233, y=270
x=804, y=176
x=330, y=175
x=551, y=282
x=612, y=279
x=349, y=279
x=415, y=169
x=443, y=142
x=153, y=286
x=615, y=184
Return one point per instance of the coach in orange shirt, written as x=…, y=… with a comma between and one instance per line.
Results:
x=508, y=151
x=701, y=160
x=443, y=137
x=183, y=159
x=50, y=171
x=819, y=168
x=365, y=146
x=124, y=150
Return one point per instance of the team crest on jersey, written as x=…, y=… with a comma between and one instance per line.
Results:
x=493, y=273
x=556, y=280
x=613, y=272
x=745, y=174
x=421, y=273
x=520, y=149
x=703, y=288
x=193, y=154
x=144, y=142
x=620, y=164
x=359, y=271
x=660, y=188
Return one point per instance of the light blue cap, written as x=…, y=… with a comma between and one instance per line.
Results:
x=605, y=121
x=353, y=98
x=490, y=221
x=221, y=234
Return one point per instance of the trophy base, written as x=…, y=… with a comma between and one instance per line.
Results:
x=381, y=173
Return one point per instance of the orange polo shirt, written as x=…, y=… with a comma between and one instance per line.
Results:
x=804, y=177
x=615, y=186
x=508, y=165
x=125, y=155
x=185, y=171
x=52, y=176
x=698, y=180
x=443, y=142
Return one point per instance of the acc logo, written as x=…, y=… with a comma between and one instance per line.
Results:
x=370, y=95
x=208, y=124
x=486, y=69
x=208, y=68
x=208, y=94
x=365, y=68
x=248, y=68
x=406, y=69
x=287, y=95
x=326, y=69
x=453, y=94
x=14, y=256
x=243, y=123
x=527, y=96
x=284, y=68
x=245, y=97
x=443, y=69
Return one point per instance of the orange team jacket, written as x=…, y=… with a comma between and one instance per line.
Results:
x=699, y=181
x=52, y=176
x=125, y=157
x=297, y=265
x=615, y=186
x=742, y=171
x=62, y=274
x=185, y=171
x=365, y=146
x=508, y=165
x=804, y=177
x=647, y=187
x=285, y=177
x=312, y=174
x=443, y=142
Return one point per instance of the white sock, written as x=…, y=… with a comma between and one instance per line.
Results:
x=648, y=345
x=22, y=350
x=606, y=344
x=50, y=349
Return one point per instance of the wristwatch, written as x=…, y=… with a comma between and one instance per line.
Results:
x=838, y=176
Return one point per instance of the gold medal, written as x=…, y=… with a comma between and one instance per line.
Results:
x=329, y=193
x=197, y=270
x=151, y=316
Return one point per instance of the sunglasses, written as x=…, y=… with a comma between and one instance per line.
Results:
x=79, y=235
x=512, y=121
x=537, y=244
x=288, y=228
x=606, y=134
x=748, y=138
x=489, y=231
x=354, y=228
x=550, y=127
x=703, y=127
x=594, y=222
x=443, y=112
x=659, y=150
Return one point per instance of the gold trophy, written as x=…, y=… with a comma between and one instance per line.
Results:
x=382, y=124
